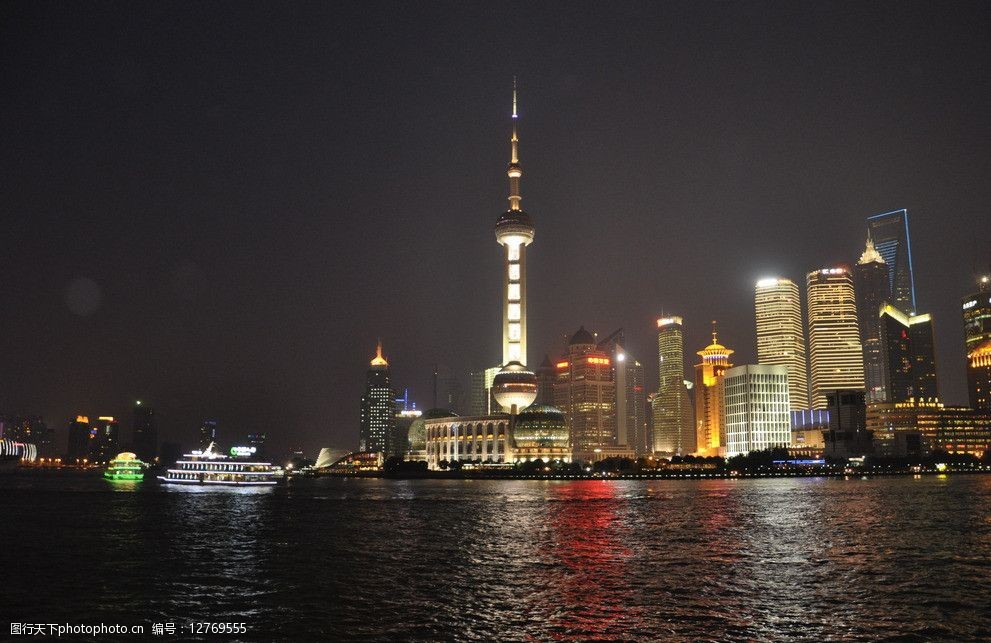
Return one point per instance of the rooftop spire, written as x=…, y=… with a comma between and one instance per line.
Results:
x=379, y=360
x=870, y=255
x=714, y=332
x=515, y=171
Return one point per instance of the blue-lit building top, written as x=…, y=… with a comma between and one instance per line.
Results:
x=809, y=419
x=889, y=231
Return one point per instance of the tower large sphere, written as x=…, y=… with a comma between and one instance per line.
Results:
x=514, y=386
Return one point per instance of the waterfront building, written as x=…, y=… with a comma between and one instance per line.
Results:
x=673, y=425
x=586, y=392
x=29, y=430
x=406, y=414
x=920, y=427
x=79, y=439
x=781, y=336
x=977, y=337
x=837, y=360
x=757, y=408
x=631, y=401
x=872, y=285
x=105, y=439
x=483, y=439
x=145, y=435
x=709, y=398
x=847, y=435
x=541, y=433
x=908, y=357
x=208, y=434
x=377, y=407
x=889, y=231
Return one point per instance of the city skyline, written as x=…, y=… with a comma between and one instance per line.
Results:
x=191, y=259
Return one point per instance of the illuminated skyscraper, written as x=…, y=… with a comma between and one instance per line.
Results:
x=890, y=234
x=79, y=439
x=837, y=359
x=780, y=335
x=757, y=408
x=872, y=285
x=908, y=356
x=674, y=429
x=105, y=439
x=586, y=393
x=631, y=396
x=514, y=231
x=710, y=428
x=377, y=407
x=977, y=336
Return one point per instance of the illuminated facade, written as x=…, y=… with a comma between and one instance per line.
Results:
x=631, y=401
x=586, y=392
x=377, y=407
x=908, y=356
x=780, y=335
x=483, y=440
x=976, y=310
x=104, y=439
x=514, y=231
x=872, y=284
x=889, y=232
x=953, y=429
x=836, y=356
x=757, y=408
x=710, y=430
x=673, y=425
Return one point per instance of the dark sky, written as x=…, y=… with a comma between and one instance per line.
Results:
x=218, y=207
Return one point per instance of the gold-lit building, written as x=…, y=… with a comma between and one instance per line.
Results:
x=954, y=429
x=836, y=355
x=710, y=428
x=976, y=310
x=586, y=392
x=673, y=423
x=780, y=336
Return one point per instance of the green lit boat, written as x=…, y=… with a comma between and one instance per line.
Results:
x=125, y=466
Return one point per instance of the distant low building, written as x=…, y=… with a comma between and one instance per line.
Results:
x=954, y=429
x=757, y=408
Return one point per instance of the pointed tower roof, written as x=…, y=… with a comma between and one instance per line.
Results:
x=714, y=351
x=547, y=362
x=581, y=337
x=379, y=360
x=870, y=255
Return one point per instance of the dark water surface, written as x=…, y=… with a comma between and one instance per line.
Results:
x=814, y=559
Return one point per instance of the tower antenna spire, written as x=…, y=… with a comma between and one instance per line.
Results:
x=714, y=332
x=515, y=171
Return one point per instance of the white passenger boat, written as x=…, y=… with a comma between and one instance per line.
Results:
x=211, y=467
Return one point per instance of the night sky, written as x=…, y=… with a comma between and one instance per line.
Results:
x=218, y=207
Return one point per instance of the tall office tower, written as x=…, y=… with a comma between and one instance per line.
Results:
x=908, y=356
x=79, y=438
x=889, y=231
x=780, y=335
x=478, y=394
x=977, y=337
x=586, y=393
x=710, y=430
x=631, y=397
x=837, y=359
x=674, y=428
x=757, y=408
x=377, y=407
x=145, y=434
x=105, y=441
x=514, y=231
x=872, y=285
x=208, y=433
x=406, y=414
x=546, y=376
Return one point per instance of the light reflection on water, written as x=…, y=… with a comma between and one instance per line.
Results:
x=593, y=559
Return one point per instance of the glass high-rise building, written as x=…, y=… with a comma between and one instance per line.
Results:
x=781, y=336
x=757, y=408
x=674, y=428
x=872, y=285
x=145, y=435
x=586, y=392
x=889, y=231
x=908, y=357
x=836, y=356
x=710, y=428
x=377, y=407
x=976, y=310
x=631, y=401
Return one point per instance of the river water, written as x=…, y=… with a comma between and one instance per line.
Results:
x=366, y=559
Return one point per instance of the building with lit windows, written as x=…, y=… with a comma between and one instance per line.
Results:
x=781, y=336
x=954, y=429
x=586, y=393
x=871, y=282
x=377, y=407
x=757, y=408
x=631, y=401
x=673, y=423
x=908, y=356
x=105, y=439
x=976, y=310
x=406, y=413
x=889, y=232
x=483, y=439
x=836, y=356
x=710, y=430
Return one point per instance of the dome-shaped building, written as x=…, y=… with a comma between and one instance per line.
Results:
x=541, y=432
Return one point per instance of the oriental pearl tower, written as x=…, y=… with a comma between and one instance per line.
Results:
x=514, y=387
